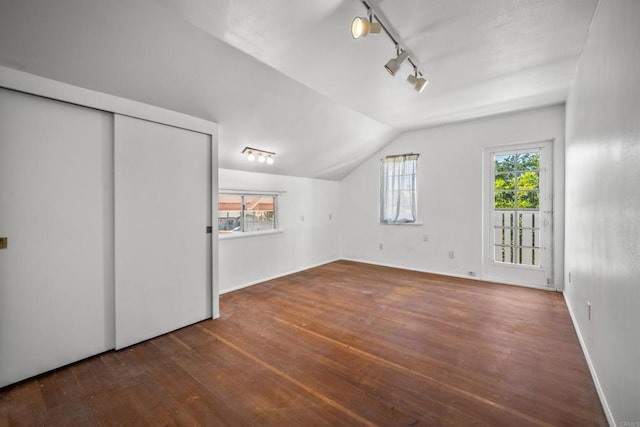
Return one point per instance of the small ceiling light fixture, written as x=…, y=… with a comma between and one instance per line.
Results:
x=360, y=27
x=261, y=155
x=418, y=83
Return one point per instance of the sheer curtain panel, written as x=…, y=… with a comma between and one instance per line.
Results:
x=398, y=189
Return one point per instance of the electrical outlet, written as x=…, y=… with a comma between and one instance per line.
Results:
x=569, y=277
x=472, y=273
x=330, y=217
x=425, y=237
x=589, y=310
x=380, y=246
x=452, y=255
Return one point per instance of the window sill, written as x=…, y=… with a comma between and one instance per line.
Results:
x=227, y=236
x=418, y=223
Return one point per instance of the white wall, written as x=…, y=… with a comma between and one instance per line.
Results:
x=309, y=215
x=449, y=194
x=603, y=205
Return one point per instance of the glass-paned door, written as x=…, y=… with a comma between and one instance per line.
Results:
x=518, y=232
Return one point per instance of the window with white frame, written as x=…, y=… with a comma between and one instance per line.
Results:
x=242, y=213
x=398, y=200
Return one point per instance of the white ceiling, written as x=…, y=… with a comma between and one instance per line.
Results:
x=481, y=57
x=286, y=75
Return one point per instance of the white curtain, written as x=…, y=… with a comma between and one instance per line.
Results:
x=398, y=189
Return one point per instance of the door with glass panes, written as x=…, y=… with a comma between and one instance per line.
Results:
x=518, y=231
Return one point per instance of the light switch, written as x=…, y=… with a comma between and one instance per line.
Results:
x=3, y=242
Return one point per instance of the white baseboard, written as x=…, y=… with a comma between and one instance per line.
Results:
x=448, y=274
x=266, y=279
x=592, y=369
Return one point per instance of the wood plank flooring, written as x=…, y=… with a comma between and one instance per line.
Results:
x=338, y=345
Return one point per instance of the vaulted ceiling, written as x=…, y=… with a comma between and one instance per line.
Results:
x=286, y=75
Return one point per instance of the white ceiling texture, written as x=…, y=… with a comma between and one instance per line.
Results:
x=287, y=76
x=481, y=57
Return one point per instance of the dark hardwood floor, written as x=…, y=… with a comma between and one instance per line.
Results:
x=341, y=344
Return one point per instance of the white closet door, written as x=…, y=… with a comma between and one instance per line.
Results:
x=56, y=280
x=162, y=194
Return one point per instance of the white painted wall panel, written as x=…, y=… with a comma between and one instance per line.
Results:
x=603, y=206
x=309, y=215
x=56, y=281
x=450, y=174
x=162, y=197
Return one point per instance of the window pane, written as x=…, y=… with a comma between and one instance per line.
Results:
x=505, y=181
x=504, y=218
x=505, y=162
x=259, y=213
x=504, y=254
x=528, y=219
x=528, y=256
x=528, y=161
x=505, y=199
x=229, y=213
x=528, y=200
x=530, y=237
x=504, y=236
x=529, y=181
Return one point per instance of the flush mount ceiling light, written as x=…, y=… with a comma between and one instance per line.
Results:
x=360, y=27
x=262, y=156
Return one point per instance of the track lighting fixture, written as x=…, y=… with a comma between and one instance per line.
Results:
x=360, y=27
x=262, y=156
x=418, y=83
x=393, y=65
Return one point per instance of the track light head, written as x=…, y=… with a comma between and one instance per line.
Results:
x=418, y=83
x=250, y=156
x=361, y=27
x=269, y=160
x=394, y=64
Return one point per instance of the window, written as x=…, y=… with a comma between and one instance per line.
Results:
x=517, y=207
x=242, y=213
x=398, y=189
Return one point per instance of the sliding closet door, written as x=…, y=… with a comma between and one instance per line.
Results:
x=162, y=199
x=56, y=280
